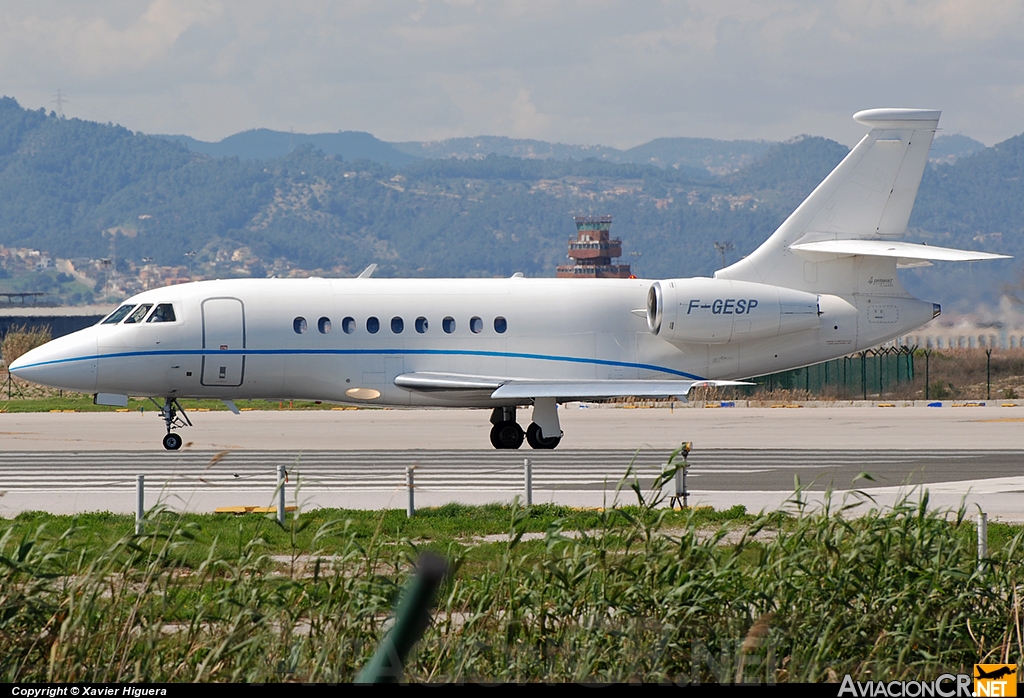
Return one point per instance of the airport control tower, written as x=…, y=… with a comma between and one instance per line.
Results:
x=593, y=251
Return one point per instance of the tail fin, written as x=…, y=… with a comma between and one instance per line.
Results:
x=869, y=195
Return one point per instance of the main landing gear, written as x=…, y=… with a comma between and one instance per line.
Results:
x=175, y=418
x=507, y=434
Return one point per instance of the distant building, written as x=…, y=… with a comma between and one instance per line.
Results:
x=593, y=251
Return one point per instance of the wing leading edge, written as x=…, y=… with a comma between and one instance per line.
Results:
x=527, y=389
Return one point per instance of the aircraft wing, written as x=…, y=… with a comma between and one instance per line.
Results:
x=581, y=390
x=527, y=389
x=430, y=382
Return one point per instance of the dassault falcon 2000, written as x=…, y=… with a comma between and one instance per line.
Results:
x=822, y=286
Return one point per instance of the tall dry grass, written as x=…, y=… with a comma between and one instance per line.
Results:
x=20, y=340
x=961, y=374
x=894, y=593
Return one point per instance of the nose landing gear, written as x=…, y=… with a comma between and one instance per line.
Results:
x=172, y=442
x=175, y=418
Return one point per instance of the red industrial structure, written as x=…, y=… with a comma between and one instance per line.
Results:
x=593, y=250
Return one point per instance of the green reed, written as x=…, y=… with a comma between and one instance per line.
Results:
x=638, y=593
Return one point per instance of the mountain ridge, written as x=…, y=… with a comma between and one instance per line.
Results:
x=78, y=189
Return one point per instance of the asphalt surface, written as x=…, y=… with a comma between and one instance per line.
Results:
x=66, y=463
x=719, y=470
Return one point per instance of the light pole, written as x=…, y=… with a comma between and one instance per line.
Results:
x=146, y=261
x=724, y=247
x=636, y=262
x=190, y=254
x=106, y=273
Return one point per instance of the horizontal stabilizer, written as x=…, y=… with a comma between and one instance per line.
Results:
x=892, y=248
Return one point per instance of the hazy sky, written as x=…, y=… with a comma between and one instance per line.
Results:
x=610, y=72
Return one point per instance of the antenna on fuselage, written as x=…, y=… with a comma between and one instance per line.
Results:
x=368, y=272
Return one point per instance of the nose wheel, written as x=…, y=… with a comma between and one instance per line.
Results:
x=172, y=442
x=174, y=418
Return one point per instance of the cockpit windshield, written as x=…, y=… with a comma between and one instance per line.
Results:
x=118, y=315
x=163, y=313
x=139, y=314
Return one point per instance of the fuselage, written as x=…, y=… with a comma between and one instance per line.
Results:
x=347, y=340
x=823, y=285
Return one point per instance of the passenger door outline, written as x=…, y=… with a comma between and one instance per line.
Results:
x=223, y=331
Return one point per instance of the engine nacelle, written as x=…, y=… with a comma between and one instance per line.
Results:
x=719, y=311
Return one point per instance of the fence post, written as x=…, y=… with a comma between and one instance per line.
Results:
x=140, y=502
x=410, y=510
x=988, y=373
x=881, y=367
x=682, y=495
x=982, y=538
x=927, y=373
x=282, y=473
x=528, y=477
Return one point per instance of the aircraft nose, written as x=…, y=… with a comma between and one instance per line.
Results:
x=67, y=362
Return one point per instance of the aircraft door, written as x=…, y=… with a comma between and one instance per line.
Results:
x=223, y=342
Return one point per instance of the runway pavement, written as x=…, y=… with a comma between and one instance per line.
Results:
x=204, y=480
x=67, y=463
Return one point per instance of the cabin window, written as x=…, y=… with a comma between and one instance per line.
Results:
x=372, y=325
x=348, y=325
x=163, y=313
x=476, y=325
x=299, y=325
x=397, y=325
x=139, y=314
x=500, y=325
x=118, y=315
x=421, y=325
x=324, y=325
x=448, y=325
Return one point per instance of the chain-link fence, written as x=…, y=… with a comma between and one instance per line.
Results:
x=871, y=372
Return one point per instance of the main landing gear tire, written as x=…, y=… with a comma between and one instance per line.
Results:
x=172, y=442
x=535, y=439
x=506, y=435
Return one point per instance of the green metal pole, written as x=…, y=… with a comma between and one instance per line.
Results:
x=411, y=619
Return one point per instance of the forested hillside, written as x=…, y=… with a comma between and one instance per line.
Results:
x=71, y=188
x=264, y=144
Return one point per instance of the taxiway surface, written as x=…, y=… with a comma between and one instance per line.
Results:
x=78, y=462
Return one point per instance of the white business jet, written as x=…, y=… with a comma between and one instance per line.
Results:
x=822, y=286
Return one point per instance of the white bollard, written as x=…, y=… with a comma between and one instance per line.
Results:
x=282, y=474
x=982, y=538
x=140, y=502
x=410, y=511
x=528, y=480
